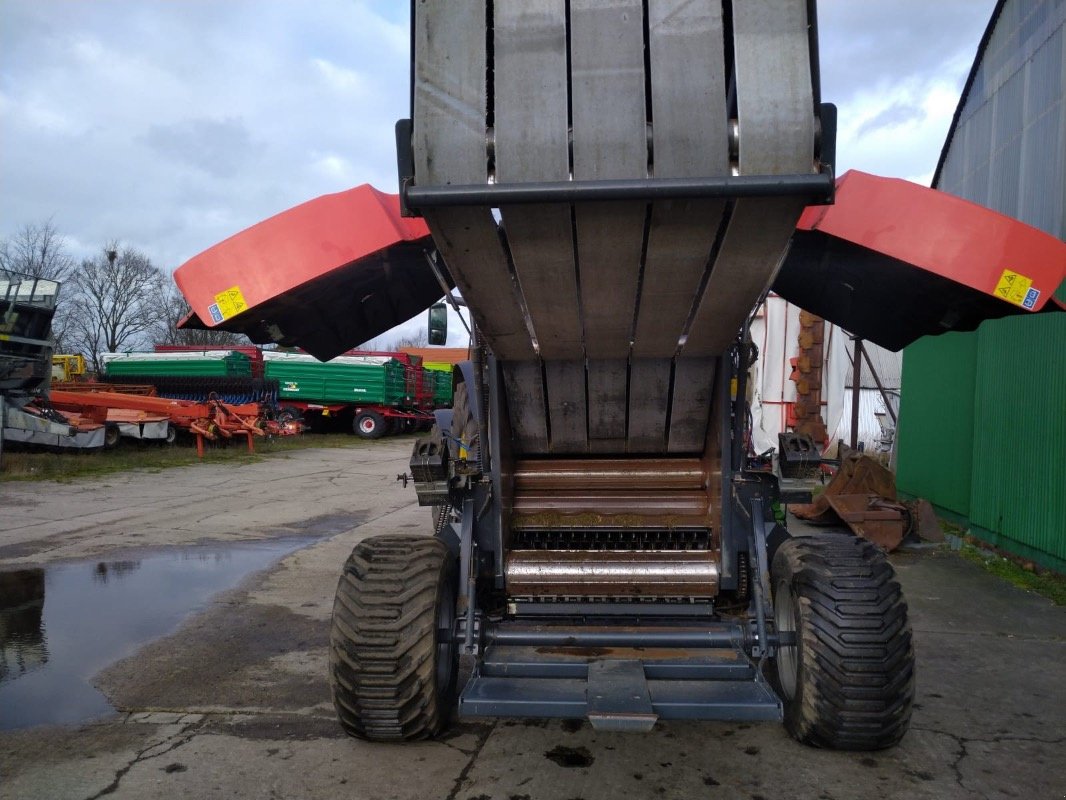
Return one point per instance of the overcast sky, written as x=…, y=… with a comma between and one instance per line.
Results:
x=172, y=125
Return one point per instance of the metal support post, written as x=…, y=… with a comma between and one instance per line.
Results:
x=468, y=572
x=856, y=388
x=761, y=585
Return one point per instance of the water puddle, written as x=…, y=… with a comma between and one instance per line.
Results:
x=61, y=625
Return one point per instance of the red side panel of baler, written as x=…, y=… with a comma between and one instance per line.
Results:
x=892, y=261
x=327, y=274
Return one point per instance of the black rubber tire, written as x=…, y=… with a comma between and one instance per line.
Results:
x=391, y=679
x=171, y=435
x=464, y=426
x=852, y=669
x=290, y=414
x=112, y=436
x=369, y=425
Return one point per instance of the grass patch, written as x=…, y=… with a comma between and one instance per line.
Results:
x=1045, y=583
x=65, y=467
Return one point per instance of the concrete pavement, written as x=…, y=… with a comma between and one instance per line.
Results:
x=235, y=703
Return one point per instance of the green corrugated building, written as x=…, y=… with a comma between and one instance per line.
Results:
x=982, y=430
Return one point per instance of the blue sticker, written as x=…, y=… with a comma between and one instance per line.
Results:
x=216, y=315
x=1030, y=299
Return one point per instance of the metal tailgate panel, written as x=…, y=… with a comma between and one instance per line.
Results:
x=450, y=107
x=450, y=146
x=687, y=64
x=775, y=102
x=610, y=141
x=892, y=261
x=327, y=274
x=531, y=136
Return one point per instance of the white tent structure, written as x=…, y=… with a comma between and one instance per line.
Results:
x=775, y=331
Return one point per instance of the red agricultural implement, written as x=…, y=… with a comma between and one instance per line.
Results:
x=211, y=420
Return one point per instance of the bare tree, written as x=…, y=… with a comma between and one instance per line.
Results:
x=418, y=339
x=115, y=302
x=40, y=251
x=37, y=250
x=175, y=309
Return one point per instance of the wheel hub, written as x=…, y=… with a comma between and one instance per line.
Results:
x=787, y=655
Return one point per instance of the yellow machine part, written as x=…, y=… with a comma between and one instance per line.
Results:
x=66, y=367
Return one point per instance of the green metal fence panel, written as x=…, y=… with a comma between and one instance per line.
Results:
x=936, y=422
x=1018, y=497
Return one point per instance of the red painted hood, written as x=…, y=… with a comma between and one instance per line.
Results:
x=326, y=275
x=892, y=261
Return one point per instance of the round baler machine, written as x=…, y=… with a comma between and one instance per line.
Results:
x=614, y=186
x=601, y=550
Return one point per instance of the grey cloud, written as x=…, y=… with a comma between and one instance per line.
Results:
x=864, y=44
x=186, y=122
x=895, y=115
x=218, y=147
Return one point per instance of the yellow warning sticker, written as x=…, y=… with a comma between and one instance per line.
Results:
x=1014, y=288
x=229, y=303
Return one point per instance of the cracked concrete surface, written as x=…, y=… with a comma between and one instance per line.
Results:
x=236, y=704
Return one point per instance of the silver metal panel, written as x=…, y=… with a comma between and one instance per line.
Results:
x=649, y=389
x=531, y=136
x=450, y=147
x=607, y=405
x=610, y=141
x=693, y=399
x=566, y=405
x=618, y=697
x=775, y=108
x=524, y=387
x=687, y=63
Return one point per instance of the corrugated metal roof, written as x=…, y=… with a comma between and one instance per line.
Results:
x=889, y=368
x=966, y=90
x=1009, y=129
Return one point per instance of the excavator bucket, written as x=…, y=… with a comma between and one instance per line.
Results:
x=326, y=275
x=892, y=261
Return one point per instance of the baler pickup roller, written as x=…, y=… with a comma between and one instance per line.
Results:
x=625, y=474
x=612, y=573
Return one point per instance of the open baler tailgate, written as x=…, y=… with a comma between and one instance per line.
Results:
x=892, y=261
x=326, y=275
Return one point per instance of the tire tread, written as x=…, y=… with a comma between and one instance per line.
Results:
x=383, y=639
x=856, y=686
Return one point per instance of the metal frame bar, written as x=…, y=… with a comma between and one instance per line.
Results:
x=716, y=637
x=818, y=187
x=630, y=611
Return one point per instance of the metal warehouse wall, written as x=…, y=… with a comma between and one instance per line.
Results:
x=983, y=421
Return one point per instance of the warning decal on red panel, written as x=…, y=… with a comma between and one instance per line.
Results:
x=1017, y=289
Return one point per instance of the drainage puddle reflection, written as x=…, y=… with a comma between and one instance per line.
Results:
x=61, y=625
